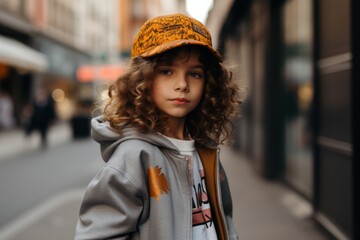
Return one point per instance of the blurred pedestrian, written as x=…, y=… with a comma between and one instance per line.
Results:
x=159, y=135
x=7, y=119
x=41, y=114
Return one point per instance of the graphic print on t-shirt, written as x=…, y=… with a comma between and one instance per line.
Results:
x=201, y=207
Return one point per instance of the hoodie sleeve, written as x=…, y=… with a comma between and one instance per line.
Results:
x=227, y=204
x=111, y=207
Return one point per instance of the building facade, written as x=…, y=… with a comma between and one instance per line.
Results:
x=55, y=37
x=298, y=64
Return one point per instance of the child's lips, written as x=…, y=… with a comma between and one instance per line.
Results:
x=179, y=100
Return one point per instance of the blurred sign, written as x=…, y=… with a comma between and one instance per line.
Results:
x=4, y=71
x=90, y=73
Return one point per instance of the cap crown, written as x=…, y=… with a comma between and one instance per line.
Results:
x=163, y=33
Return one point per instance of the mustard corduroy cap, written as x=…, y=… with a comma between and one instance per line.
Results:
x=162, y=33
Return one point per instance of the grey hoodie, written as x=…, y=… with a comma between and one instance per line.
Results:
x=145, y=189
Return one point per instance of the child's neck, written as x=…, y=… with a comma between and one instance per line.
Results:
x=177, y=130
x=178, y=135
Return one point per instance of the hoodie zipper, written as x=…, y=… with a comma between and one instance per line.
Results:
x=189, y=162
x=189, y=173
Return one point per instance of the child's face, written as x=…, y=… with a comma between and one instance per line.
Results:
x=178, y=87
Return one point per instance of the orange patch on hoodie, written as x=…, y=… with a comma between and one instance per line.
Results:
x=158, y=183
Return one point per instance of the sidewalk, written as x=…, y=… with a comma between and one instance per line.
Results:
x=262, y=209
x=266, y=209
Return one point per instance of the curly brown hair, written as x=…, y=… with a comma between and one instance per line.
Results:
x=131, y=102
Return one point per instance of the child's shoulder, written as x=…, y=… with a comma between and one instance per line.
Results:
x=134, y=150
x=135, y=144
x=133, y=157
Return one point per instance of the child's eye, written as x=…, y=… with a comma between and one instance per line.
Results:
x=166, y=71
x=196, y=75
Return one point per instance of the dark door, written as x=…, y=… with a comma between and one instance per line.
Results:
x=333, y=139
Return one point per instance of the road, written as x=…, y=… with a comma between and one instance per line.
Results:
x=32, y=183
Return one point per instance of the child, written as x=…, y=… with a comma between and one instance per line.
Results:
x=159, y=134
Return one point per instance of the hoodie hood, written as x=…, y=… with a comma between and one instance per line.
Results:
x=108, y=139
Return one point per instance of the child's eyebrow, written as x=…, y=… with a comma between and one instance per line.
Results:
x=174, y=65
x=199, y=66
x=165, y=64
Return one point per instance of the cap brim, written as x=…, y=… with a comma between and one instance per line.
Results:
x=177, y=43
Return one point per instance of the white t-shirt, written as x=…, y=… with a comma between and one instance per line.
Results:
x=203, y=225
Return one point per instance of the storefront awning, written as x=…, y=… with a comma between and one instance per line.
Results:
x=19, y=55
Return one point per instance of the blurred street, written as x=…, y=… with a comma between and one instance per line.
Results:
x=293, y=166
x=42, y=199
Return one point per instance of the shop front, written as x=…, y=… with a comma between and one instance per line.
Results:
x=20, y=64
x=60, y=79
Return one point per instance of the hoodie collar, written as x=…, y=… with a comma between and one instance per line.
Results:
x=108, y=139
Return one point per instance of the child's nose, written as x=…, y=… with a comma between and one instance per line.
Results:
x=181, y=84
